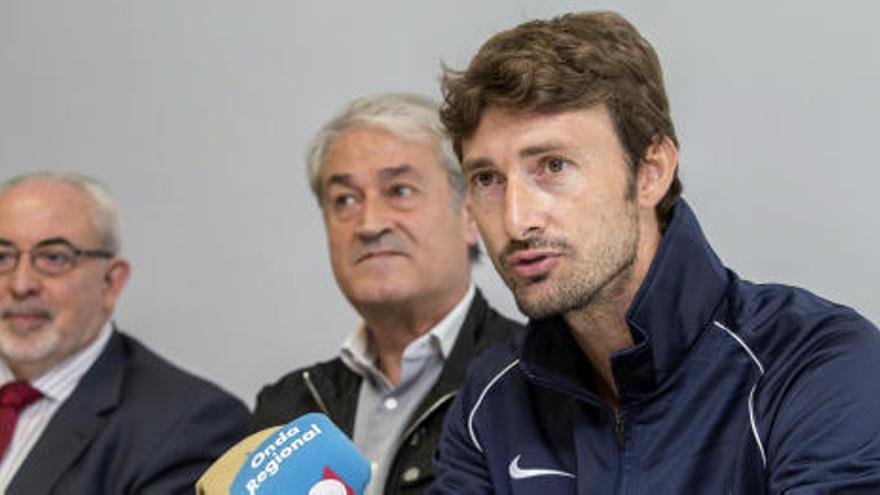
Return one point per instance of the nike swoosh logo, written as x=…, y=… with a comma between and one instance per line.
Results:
x=518, y=473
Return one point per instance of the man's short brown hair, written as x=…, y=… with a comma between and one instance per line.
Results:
x=569, y=62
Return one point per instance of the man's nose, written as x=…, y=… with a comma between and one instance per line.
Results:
x=375, y=218
x=24, y=280
x=523, y=209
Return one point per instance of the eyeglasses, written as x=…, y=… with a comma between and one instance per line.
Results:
x=50, y=257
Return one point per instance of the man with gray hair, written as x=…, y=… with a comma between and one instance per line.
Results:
x=85, y=408
x=401, y=244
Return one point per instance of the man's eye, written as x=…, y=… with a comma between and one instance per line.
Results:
x=343, y=200
x=400, y=190
x=554, y=164
x=59, y=258
x=7, y=256
x=483, y=179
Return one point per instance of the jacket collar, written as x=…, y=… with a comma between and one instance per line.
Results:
x=679, y=296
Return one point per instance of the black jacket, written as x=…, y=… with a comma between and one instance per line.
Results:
x=332, y=388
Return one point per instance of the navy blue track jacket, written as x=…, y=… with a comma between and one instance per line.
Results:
x=731, y=388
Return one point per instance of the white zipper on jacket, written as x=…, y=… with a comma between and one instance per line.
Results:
x=307, y=378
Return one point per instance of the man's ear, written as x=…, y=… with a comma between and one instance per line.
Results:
x=656, y=172
x=115, y=279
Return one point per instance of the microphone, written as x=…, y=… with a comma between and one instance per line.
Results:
x=308, y=456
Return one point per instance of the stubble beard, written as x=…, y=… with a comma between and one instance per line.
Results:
x=592, y=277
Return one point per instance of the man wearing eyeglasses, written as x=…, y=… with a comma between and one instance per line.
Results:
x=85, y=408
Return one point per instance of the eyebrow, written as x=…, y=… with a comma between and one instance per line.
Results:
x=340, y=179
x=385, y=174
x=389, y=173
x=45, y=242
x=529, y=151
x=476, y=164
x=540, y=149
x=53, y=240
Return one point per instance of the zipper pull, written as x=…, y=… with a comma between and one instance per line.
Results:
x=618, y=428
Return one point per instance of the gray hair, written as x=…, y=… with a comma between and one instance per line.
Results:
x=105, y=214
x=408, y=116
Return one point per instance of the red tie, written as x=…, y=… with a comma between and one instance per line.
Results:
x=14, y=396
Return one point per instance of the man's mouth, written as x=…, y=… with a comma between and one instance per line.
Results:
x=383, y=253
x=22, y=321
x=533, y=263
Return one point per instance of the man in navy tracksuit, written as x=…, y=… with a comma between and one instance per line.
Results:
x=647, y=366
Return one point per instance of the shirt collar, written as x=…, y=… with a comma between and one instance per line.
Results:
x=359, y=353
x=59, y=382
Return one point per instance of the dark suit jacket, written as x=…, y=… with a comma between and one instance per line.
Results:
x=134, y=424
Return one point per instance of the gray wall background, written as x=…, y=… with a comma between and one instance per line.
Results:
x=197, y=113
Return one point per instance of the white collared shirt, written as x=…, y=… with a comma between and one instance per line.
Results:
x=56, y=385
x=383, y=411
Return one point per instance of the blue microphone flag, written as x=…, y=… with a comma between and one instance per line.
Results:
x=308, y=456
